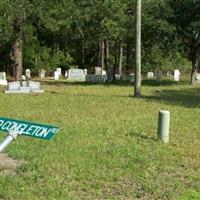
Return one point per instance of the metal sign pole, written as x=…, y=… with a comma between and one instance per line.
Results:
x=12, y=135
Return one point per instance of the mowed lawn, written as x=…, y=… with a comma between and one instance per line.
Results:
x=106, y=147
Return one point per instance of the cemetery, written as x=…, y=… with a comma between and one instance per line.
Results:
x=99, y=100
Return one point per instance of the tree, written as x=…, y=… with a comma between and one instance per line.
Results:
x=185, y=16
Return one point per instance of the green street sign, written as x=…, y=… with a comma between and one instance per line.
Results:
x=31, y=129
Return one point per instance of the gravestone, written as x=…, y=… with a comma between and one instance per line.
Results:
x=28, y=73
x=42, y=73
x=3, y=80
x=98, y=70
x=56, y=75
x=59, y=70
x=132, y=77
x=197, y=78
x=104, y=72
x=76, y=75
x=13, y=86
x=23, y=77
x=176, y=75
x=92, y=78
x=23, y=87
x=150, y=74
x=85, y=71
x=117, y=76
x=66, y=74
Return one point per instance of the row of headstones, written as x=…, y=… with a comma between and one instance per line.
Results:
x=176, y=75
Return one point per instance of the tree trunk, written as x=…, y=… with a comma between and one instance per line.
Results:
x=83, y=54
x=99, y=54
x=17, y=49
x=120, y=57
x=137, y=82
x=107, y=53
x=194, y=59
x=17, y=58
x=102, y=55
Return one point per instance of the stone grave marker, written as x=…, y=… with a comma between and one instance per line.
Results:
x=176, y=75
x=98, y=70
x=13, y=86
x=59, y=70
x=197, y=78
x=66, y=74
x=28, y=73
x=42, y=73
x=132, y=77
x=56, y=75
x=3, y=80
x=150, y=74
x=76, y=75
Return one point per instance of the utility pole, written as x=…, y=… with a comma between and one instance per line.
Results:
x=137, y=83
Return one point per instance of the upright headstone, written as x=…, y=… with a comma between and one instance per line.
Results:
x=197, y=78
x=59, y=70
x=150, y=74
x=66, y=74
x=23, y=77
x=3, y=80
x=98, y=70
x=85, y=71
x=28, y=73
x=76, y=75
x=56, y=75
x=176, y=75
x=42, y=73
x=104, y=72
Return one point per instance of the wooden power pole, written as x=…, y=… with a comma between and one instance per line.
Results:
x=137, y=83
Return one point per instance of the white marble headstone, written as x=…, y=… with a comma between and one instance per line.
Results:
x=34, y=85
x=56, y=75
x=66, y=74
x=28, y=73
x=42, y=73
x=150, y=74
x=3, y=80
x=14, y=85
x=98, y=70
x=59, y=70
x=176, y=75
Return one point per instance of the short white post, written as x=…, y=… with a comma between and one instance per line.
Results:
x=9, y=138
x=163, y=125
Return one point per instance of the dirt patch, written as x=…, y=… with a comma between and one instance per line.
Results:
x=8, y=165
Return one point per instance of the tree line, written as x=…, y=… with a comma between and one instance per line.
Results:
x=43, y=34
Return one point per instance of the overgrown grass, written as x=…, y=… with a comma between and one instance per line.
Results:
x=107, y=147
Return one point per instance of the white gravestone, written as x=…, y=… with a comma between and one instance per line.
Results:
x=42, y=73
x=56, y=75
x=85, y=71
x=25, y=87
x=66, y=74
x=197, y=78
x=14, y=86
x=3, y=80
x=28, y=73
x=176, y=75
x=76, y=75
x=59, y=70
x=150, y=74
x=98, y=70
x=104, y=72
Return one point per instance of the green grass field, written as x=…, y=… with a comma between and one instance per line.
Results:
x=107, y=147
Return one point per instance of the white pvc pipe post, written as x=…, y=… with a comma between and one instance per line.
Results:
x=163, y=125
x=9, y=138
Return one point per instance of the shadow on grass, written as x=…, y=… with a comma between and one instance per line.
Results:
x=189, y=97
x=145, y=82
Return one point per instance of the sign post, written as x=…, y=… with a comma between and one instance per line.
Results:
x=17, y=127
